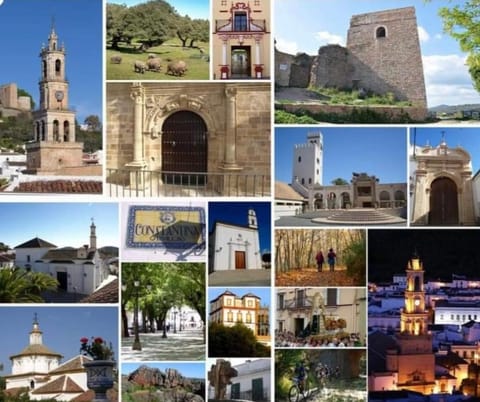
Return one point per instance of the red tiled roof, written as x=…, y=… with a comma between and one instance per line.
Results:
x=106, y=294
x=60, y=186
x=63, y=384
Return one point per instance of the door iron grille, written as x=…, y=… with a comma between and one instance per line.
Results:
x=184, y=149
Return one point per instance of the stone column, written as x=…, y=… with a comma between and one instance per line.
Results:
x=258, y=61
x=230, y=157
x=138, y=164
x=224, y=70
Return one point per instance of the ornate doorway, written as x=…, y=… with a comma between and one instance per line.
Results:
x=443, y=202
x=184, y=149
x=241, y=62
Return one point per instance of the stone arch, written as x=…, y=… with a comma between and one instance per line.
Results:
x=381, y=32
x=66, y=131
x=42, y=130
x=56, y=130
x=444, y=208
x=37, y=131
x=384, y=197
x=331, y=200
x=184, y=143
x=399, y=197
x=58, y=67
x=345, y=200
x=318, y=202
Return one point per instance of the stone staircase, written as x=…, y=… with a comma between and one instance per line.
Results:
x=359, y=215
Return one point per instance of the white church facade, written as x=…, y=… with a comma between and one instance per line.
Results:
x=77, y=270
x=233, y=247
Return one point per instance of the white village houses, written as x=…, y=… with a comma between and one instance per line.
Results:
x=77, y=270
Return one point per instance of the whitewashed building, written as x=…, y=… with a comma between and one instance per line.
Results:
x=77, y=270
x=252, y=382
x=234, y=247
x=39, y=369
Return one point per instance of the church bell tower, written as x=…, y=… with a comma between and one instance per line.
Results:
x=54, y=147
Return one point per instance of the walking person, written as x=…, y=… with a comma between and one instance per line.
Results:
x=320, y=260
x=331, y=256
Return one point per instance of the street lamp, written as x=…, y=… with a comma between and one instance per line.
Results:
x=136, y=343
x=175, y=312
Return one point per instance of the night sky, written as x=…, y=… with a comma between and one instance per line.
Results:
x=443, y=252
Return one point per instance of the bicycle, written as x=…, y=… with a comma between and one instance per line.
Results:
x=297, y=388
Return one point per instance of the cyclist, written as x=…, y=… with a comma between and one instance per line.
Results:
x=301, y=374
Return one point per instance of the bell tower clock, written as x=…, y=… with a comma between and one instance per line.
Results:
x=54, y=147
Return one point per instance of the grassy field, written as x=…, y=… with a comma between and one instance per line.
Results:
x=197, y=64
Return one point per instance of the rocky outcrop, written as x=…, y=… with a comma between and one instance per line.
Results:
x=162, y=386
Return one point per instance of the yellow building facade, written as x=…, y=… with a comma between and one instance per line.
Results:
x=241, y=39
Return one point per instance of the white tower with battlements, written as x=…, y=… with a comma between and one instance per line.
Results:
x=308, y=161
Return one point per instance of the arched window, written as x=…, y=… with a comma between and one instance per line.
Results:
x=230, y=316
x=56, y=131
x=66, y=131
x=299, y=159
x=58, y=67
x=43, y=131
x=381, y=32
x=44, y=69
x=239, y=317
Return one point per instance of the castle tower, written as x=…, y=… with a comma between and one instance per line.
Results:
x=308, y=161
x=386, y=54
x=53, y=148
x=414, y=359
x=33, y=363
x=252, y=219
x=93, y=236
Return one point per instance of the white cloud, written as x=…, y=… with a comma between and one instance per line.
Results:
x=448, y=81
x=423, y=34
x=286, y=46
x=327, y=38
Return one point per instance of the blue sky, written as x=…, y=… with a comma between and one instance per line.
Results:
x=25, y=26
x=465, y=137
x=192, y=8
x=263, y=293
x=379, y=151
x=320, y=22
x=237, y=213
x=62, y=329
x=63, y=224
x=189, y=370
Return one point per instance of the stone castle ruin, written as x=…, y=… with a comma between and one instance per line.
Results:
x=10, y=103
x=382, y=56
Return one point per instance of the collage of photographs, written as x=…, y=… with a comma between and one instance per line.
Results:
x=258, y=200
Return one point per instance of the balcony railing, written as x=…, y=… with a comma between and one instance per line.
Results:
x=297, y=303
x=155, y=183
x=240, y=26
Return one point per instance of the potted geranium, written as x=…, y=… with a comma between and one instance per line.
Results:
x=100, y=369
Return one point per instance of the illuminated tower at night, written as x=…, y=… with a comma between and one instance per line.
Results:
x=413, y=359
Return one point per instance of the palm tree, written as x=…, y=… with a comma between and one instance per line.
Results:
x=20, y=286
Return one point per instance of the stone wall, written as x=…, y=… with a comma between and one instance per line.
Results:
x=389, y=63
x=332, y=67
x=392, y=112
x=382, y=55
x=238, y=137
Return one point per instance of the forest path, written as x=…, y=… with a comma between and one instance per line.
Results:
x=311, y=277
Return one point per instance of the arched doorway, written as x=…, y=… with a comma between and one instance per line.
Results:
x=384, y=199
x=318, y=201
x=184, y=148
x=345, y=200
x=443, y=202
x=241, y=61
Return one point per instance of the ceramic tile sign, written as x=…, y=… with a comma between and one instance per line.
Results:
x=165, y=227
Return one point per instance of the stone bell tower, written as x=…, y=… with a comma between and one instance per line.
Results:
x=54, y=147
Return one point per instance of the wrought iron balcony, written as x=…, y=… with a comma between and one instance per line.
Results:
x=297, y=303
x=242, y=25
x=155, y=183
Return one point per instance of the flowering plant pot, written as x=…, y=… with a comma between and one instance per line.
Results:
x=97, y=349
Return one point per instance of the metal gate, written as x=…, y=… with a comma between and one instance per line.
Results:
x=184, y=149
x=443, y=202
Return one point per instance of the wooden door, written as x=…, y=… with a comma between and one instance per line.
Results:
x=184, y=147
x=240, y=260
x=443, y=202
